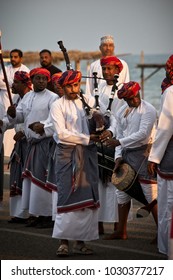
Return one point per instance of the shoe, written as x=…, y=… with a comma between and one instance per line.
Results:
x=33, y=221
x=62, y=251
x=82, y=250
x=45, y=224
x=115, y=235
x=17, y=220
x=101, y=228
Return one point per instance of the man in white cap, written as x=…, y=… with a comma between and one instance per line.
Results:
x=107, y=48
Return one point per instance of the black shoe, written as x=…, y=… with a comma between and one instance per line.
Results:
x=45, y=225
x=17, y=220
x=34, y=221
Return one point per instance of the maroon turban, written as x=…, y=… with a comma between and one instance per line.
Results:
x=55, y=77
x=70, y=77
x=111, y=60
x=128, y=90
x=168, y=81
x=169, y=63
x=24, y=78
x=40, y=71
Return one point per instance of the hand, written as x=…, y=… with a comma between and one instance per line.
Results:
x=94, y=137
x=11, y=111
x=37, y=127
x=118, y=162
x=105, y=135
x=112, y=142
x=18, y=136
x=152, y=168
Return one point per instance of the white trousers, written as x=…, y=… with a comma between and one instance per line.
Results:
x=165, y=208
x=108, y=211
x=78, y=225
x=35, y=199
x=16, y=207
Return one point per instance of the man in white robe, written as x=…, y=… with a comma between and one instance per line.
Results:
x=160, y=160
x=107, y=48
x=16, y=57
x=111, y=66
x=76, y=170
x=34, y=108
x=21, y=85
x=135, y=122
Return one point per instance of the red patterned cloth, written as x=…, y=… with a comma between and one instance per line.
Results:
x=169, y=64
x=24, y=78
x=70, y=77
x=111, y=60
x=40, y=71
x=168, y=81
x=128, y=90
x=165, y=84
x=55, y=77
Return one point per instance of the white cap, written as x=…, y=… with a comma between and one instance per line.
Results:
x=107, y=39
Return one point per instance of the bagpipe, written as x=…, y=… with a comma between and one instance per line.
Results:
x=98, y=121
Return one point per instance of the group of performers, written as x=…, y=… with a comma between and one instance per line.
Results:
x=59, y=172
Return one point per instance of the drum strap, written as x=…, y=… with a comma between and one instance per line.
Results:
x=137, y=174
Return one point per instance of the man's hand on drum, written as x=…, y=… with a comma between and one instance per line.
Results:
x=105, y=136
x=118, y=162
x=152, y=168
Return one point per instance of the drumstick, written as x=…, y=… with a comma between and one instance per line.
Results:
x=4, y=72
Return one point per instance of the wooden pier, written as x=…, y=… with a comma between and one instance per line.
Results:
x=143, y=66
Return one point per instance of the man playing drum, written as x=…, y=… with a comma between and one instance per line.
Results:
x=135, y=123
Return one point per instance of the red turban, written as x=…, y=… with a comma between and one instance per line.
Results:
x=168, y=81
x=55, y=77
x=169, y=63
x=111, y=60
x=40, y=71
x=128, y=90
x=24, y=78
x=169, y=66
x=70, y=77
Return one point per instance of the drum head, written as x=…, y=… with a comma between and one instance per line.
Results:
x=123, y=176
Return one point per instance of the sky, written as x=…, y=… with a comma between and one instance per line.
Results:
x=136, y=25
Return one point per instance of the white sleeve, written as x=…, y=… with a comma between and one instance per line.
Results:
x=164, y=130
x=65, y=135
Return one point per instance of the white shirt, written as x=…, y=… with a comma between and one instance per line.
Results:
x=34, y=107
x=70, y=122
x=10, y=71
x=95, y=66
x=135, y=128
x=165, y=127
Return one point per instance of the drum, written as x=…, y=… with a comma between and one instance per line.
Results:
x=125, y=179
